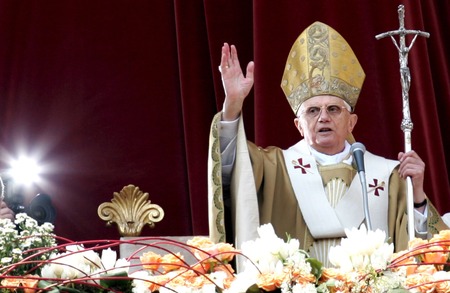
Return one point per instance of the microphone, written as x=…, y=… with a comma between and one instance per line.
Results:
x=357, y=150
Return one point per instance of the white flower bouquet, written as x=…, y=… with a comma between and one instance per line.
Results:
x=23, y=243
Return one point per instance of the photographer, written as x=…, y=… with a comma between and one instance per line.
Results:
x=5, y=212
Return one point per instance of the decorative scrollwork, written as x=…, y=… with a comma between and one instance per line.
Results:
x=130, y=210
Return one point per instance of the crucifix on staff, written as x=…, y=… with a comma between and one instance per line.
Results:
x=405, y=79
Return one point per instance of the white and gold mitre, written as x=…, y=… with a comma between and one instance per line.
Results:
x=321, y=62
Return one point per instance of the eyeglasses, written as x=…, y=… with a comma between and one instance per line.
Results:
x=315, y=111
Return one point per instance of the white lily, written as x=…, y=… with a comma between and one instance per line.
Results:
x=361, y=250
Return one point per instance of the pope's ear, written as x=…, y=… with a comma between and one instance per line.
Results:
x=298, y=125
x=353, y=121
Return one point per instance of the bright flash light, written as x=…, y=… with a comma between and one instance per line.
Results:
x=25, y=171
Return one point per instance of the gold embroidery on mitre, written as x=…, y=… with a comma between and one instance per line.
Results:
x=321, y=62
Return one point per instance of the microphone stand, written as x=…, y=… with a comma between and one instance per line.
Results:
x=405, y=79
x=362, y=178
x=357, y=150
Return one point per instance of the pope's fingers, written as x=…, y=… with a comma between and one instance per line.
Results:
x=250, y=70
x=412, y=171
x=412, y=160
x=412, y=167
x=233, y=54
x=411, y=154
x=222, y=68
x=234, y=59
x=226, y=53
x=224, y=61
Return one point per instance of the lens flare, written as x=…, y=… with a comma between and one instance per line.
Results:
x=25, y=171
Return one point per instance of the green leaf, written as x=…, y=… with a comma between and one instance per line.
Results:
x=111, y=282
x=56, y=289
x=446, y=267
x=323, y=288
x=69, y=290
x=316, y=267
x=253, y=289
x=46, y=284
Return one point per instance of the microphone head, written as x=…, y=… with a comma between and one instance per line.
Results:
x=357, y=146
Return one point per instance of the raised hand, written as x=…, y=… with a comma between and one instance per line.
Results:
x=236, y=85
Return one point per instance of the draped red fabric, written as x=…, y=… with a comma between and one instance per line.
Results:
x=111, y=93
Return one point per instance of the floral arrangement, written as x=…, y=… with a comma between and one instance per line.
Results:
x=33, y=259
x=272, y=263
x=24, y=241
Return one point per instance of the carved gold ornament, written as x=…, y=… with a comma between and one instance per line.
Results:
x=130, y=210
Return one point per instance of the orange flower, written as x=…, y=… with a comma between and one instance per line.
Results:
x=415, y=242
x=188, y=273
x=444, y=235
x=181, y=280
x=202, y=268
x=345, y=284
x=426, y=269
x=200, y=242
x=171, y=262
x=150, y=260
x=11, y=282
x=223, y=251
x=401, y=262
x=228, y=269
x=420, y=282
x=304, y=279
x=155, y=282
x=207, y=248
x=435, y=255
x=442, y=239
x=199, y=281
x=28, y=285
x=443, y=287
x=203, y=244
x=442, y=282
x=417, y=247
x=331, y=273
x=268, y=282
x=188, y=279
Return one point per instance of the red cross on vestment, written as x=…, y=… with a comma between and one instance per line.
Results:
x=299, y=165
x=377, y=186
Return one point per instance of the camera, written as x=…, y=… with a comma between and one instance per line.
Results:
x=40, y=207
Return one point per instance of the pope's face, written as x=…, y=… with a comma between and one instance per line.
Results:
x=325, y=123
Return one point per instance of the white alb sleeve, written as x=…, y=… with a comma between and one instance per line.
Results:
x=420, y=222
x=227, y=135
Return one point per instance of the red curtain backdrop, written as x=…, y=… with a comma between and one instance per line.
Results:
x=107, y=93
